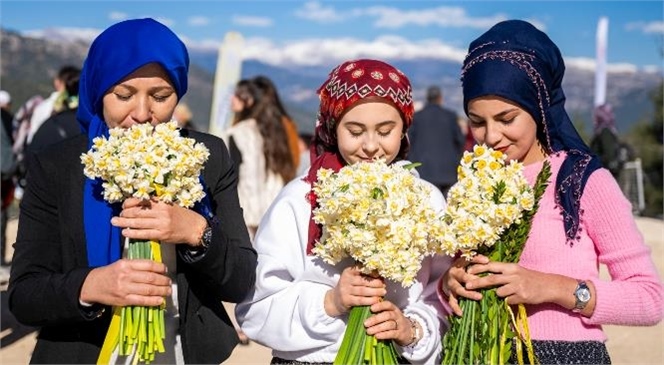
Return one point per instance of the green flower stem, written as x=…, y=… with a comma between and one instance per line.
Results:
x=359, y=348
x=484, y=334
x=142, y=328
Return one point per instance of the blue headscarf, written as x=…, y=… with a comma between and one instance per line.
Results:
x=518, y=62
x=115, y=53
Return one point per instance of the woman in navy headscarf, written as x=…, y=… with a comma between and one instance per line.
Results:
x=68, y=269
x=513, y=97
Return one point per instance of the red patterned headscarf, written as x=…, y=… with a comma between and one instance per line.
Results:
x=348, y=84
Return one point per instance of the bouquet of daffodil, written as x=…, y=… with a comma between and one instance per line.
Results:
x=380, y=215
x=144, y=162
x=489, y=211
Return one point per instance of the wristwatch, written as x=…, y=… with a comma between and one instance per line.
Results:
x=206, y=237
x=582, y=296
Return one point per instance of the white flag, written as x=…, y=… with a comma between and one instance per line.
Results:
x=600, y=70
x=229, y=67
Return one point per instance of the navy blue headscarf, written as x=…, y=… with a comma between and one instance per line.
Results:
x=115, y=53
x=518, y=62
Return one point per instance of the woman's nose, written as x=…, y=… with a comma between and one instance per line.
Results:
x=142, y=112
x=370, y=144
x=492, y=134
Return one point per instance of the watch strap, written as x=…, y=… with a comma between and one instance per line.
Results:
x=581, y=296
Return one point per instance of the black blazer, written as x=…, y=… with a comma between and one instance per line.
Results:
x=437, y=142
x=50, y=262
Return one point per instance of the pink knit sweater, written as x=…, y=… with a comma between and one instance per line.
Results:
x=610, y=237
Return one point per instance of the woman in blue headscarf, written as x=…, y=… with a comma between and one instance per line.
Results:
x=515, y=103
x=68, y=269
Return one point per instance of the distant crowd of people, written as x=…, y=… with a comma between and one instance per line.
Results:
x=250, y=240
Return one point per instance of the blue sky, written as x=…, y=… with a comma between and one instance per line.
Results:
x=315, y=32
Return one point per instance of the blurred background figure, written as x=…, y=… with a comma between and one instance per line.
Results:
x=436, y=141
x=258, y=143
x=8, y=166
x=606, y=142
x=304, y=144
x=55, y=101
x=62, y=124
x=21, y=127
x=184, y=116
x=272, y=96
x=7, y=115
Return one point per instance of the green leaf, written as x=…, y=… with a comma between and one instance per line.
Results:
x=412, y=165
x=377, y=193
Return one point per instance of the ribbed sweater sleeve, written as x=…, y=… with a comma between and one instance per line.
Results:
x=609, y=236
x=633, y=296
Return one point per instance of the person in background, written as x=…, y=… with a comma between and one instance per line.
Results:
x=21, y=127
x=8, y=170
x=270, y=94
x=304, y=145
x=8, y=167
x=605, y=142
x=184, y=116
x=6, y=114
x=68, y=271
x=63, y=123
x=54, y=103
x=299, y=306
x=513, y=96
x=436, y=142
x=257, y=142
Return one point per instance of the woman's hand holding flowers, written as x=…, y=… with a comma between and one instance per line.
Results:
x=353, y=289
x=519, y=285
x=159, y=221
x=389, y=323
x=127, y=282
x=453, y=282
x=356, y=289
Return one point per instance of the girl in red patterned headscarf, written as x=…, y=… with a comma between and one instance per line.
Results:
x=300, y=305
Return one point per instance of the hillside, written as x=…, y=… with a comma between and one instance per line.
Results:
x=27, y=66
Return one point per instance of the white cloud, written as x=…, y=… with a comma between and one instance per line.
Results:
x=299, y=94
x=315, y=51
x=589, y=64
x=64, y=34
x=117, y=16
x=443, y=16
x=656, y=27
x=316, y=12
x=329, y=51
x=652, y=69
x=252, y=21
x=394, y=18
x=198, y=21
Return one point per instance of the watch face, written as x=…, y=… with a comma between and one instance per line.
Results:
x=583, y=295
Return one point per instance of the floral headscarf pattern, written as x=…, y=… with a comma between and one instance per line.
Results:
x=346, y=86
x=516, y=61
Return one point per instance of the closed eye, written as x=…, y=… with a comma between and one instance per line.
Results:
x=122, y=97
